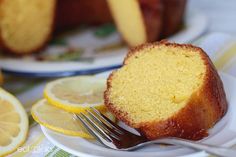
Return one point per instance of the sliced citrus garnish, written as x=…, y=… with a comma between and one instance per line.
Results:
x=76, y=94
x=13, y=123
x=59, y=120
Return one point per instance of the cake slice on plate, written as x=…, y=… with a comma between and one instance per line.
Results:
x=167, y=90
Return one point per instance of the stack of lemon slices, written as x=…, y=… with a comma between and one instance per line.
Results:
x=68, y=96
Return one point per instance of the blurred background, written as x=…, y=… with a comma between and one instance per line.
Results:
x=221, y=14
x=91, y=36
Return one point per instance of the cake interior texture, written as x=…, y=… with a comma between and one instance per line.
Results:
x=26, y=21
x=156, y=83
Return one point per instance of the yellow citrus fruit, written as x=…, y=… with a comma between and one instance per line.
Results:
x=60, y=120
x=13, y=123
x=76, y=94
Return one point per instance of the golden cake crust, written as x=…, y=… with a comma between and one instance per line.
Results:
x=173, y=13
x=73, y=13
x=152, y=9
x=206, y=106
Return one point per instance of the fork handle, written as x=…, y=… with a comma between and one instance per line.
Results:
x=215, y=150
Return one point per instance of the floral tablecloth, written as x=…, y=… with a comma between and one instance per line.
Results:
x=220, y=47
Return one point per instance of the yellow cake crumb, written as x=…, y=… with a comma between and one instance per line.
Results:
x=157, y=83
x=26, y=23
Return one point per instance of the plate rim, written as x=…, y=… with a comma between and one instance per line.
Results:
x=61, y=74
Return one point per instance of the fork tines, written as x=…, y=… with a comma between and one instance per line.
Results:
x=100, y=126
x=106, y=131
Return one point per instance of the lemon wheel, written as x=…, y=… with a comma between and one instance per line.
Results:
x=59, y=120
x=76, y=94
x=13, y=123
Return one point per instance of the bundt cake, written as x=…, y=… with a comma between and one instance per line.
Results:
x=167, y=90
x=26, y=25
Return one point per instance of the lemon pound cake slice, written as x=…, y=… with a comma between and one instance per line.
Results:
x=167, y=90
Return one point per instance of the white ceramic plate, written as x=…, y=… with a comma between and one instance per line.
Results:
x=223, y=134
x=195, y=25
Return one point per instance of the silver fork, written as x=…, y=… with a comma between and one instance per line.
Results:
x=115, y=137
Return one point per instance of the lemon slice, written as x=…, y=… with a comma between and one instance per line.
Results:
x=76, y=94
x=59, y=120
x=13, y=123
